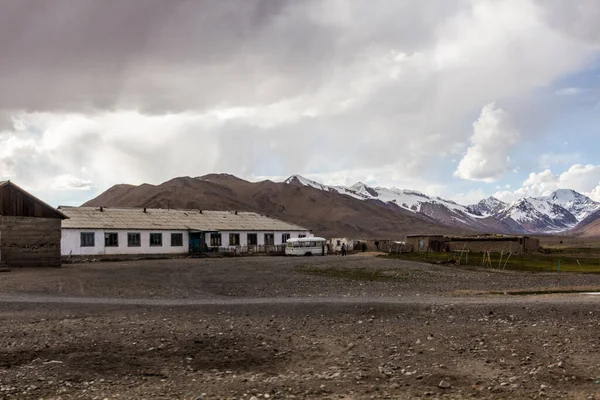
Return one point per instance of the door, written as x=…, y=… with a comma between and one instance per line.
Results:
x=195, y=242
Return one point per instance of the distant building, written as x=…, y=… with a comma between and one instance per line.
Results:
x=478, y=243
x=334, y=245
x=103, y=231
x=29, y=229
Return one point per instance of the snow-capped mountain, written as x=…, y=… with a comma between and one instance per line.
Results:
x=488, y=207
x=578, y=204
x=441, y=210
x=302, y=181
x=538, y=215
x=560, y=211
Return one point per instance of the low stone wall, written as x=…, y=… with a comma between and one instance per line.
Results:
x=494, y=246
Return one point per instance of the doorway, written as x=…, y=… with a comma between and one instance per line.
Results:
x=197, y=242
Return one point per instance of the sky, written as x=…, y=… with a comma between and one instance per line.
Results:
x=461, y=99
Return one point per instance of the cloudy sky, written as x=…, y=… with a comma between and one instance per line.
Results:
x=457, y=98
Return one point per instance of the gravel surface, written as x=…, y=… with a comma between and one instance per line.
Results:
x=274, y=277
x=273, y=328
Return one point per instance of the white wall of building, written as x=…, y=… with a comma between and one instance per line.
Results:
x=71, y=242
x=278, y=236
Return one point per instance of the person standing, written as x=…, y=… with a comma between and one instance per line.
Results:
x=343, y=249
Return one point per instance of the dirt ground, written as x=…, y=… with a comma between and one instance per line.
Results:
x=316, y=327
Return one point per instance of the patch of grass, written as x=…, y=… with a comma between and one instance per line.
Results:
x=583, y=260
x=355, y=274
x=540, y=292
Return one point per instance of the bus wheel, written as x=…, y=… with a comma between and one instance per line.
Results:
x=308, y=253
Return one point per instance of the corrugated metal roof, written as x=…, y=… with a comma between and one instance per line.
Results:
x=136, y=218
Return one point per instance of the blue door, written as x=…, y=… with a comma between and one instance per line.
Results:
x=196, y=242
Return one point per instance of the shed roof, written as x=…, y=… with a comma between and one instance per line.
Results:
x=16, y=201
x=156, y=218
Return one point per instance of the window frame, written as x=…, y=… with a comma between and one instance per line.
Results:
x=255, y=236
x=285, y=237
x=107, y=236
x=178, y=235
x=271, y=241
x=155, y=234
x=134, y=234
x=237, y=239
x=87, y=234
x=213, y=239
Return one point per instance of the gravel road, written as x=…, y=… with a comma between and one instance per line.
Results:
x=273, y=328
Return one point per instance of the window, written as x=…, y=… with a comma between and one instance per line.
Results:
x=134, y=240
x=339, y=243
x=176, y=239
x=234, y=239
x=111, y=239
x=284, y=237
x=156, y=239
x=215, y=239
x=269, y=239
x=87, y=239
x=301, y=236
x=252, y=239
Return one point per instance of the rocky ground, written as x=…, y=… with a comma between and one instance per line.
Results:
x=270, y=328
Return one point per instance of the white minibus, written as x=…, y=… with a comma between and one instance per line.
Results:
x=313, y=246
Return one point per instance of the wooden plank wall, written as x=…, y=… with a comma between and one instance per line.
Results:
x=30, y=242
x=18, y=203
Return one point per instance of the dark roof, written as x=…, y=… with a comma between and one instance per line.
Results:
x=45, y=207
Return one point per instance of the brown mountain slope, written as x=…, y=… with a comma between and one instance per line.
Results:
x=590, y=226
x=327, y=214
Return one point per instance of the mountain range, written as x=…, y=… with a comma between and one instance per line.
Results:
x=364, y=211
x=561, y=211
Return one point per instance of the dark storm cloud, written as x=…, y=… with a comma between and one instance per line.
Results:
x=160, y=56
x=95, y=92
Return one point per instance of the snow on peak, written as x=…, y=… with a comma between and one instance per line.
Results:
x=578, y=204
x=302, y=181
x=565, y=195
x=363, y=190
x=559, y=211
x=488, y=207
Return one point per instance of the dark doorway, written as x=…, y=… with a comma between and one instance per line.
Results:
x=197, y=242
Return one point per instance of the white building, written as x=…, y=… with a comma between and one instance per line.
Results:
x=99, y=231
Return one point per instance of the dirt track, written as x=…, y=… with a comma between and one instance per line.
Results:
x=237, y=328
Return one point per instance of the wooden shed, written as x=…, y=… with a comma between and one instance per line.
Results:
x=30, y=230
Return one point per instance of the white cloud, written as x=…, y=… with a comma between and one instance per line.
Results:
x=379, y=93
x=487, y=159
x=470, y=197
x=70, y=182
x=548, y=160
x=581, y=178
x=570, y=91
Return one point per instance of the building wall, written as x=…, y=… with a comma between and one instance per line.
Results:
x=421, y=243
x=71, y=242
x=30, y=242
x=495, y=246
x=532, y=244
x=335, y=244
x=517, y=245
x=260, y=236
